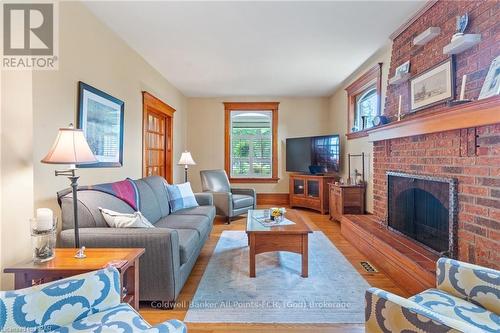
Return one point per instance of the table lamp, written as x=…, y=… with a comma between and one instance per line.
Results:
x=186, y=160
x=71, y=148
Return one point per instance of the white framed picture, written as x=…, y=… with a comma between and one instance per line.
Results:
x=403, y=68
x=491, y=85
x=433, y=86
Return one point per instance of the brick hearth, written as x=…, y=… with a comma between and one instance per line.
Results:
x=471, y=155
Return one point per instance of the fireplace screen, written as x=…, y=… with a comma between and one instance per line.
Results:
x=424, y=209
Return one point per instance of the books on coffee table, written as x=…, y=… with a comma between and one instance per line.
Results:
x=266, y=222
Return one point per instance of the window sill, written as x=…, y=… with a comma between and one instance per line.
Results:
x=254, y=180
x=358, y=134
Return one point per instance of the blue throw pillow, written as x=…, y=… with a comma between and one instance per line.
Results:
x=181, y=196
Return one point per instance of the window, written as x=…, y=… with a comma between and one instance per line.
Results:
x=363, y=97
x=366, y=108
x=251, y=142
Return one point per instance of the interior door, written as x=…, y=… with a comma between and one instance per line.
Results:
x=157, y=137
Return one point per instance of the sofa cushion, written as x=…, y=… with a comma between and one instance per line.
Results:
x=208, y=211
x=118, y=318
x=189, y=241
x=242, y=201
x=153, y=198
x=200, y=223
x=459, y=309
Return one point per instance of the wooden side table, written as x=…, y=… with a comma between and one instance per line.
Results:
x=65, y=265
x=346, y=199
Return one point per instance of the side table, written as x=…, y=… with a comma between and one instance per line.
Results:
x=65, y=265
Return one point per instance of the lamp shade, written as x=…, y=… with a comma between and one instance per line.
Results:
x=186, y=159
x=70, y=147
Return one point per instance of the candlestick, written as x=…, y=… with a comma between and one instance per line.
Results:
x=44, y=219
x=462, y=89
x=399, y=109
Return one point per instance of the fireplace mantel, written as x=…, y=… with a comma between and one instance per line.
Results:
x=473, y=114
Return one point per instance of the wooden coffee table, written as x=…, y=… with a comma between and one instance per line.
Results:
x=65, y=265
x=290, y=238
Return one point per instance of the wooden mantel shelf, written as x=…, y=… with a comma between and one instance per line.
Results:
x=473, y=114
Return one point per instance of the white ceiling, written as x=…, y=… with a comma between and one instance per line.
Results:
x=212, y=49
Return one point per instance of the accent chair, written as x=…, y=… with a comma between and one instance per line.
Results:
x=228, y=201
x=466, y=299
x=87, y=302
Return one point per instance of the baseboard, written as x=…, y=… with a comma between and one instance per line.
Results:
x=276, y=199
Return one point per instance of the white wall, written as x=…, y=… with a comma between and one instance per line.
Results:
x=297, y=117
x=35, y=105
x=92, y=53
x=338, y=120
x=16, y=169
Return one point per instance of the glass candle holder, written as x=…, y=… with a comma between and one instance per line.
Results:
x=43, y=239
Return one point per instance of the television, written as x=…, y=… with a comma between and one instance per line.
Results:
x=315, y=154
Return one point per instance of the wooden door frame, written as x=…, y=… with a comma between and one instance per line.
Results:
x=151, y=102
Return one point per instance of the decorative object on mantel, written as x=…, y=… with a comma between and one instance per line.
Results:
x=380, y=120
x=43, y=235
x=460, y=41
x=402, y=74
x=426, y=36
x=462, y=99
x=399, y=108
x=436, y=85
x=491, y=85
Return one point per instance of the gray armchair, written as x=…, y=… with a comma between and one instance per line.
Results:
x=229, y=202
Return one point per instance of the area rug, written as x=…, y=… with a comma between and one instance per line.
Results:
x=333, y=292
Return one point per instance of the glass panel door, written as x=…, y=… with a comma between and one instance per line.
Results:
x=298, y=187
x=313, y=188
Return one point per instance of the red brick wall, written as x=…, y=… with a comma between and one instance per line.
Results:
x=452, y=153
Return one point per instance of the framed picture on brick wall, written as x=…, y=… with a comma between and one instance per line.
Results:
x=434, y=86
x=491, y=85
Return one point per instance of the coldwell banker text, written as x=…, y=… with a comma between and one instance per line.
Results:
x=30, y=36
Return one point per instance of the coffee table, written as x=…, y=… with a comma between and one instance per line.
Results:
x=65, y=264
x=290, y=238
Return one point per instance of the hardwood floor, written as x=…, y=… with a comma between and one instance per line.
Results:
x=316, y=222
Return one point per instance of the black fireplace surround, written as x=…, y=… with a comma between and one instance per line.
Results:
x=424, y=208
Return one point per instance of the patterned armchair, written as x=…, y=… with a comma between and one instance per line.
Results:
x=466, y=299
x=83, y=303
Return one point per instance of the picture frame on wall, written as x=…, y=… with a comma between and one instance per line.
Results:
x=100, y=116
x=434, y=86
x=491, y=85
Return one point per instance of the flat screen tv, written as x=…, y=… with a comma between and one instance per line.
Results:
x=315, y=154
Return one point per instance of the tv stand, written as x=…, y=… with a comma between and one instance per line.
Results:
x=311, y=191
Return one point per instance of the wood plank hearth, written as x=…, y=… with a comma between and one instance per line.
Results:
x=409, y=264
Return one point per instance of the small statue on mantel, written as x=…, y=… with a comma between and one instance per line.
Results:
x=461, y=25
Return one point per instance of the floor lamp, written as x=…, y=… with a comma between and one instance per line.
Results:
x=186, y=160
x=71, y=148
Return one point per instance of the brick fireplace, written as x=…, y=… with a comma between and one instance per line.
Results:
x=471, y=155
x=458, y=145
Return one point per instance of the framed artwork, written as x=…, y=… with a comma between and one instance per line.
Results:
x=491, y=85
x=100, y=116
x=403, y=68
x=434, y=86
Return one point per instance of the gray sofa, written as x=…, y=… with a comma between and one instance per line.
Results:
x=172, y=247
